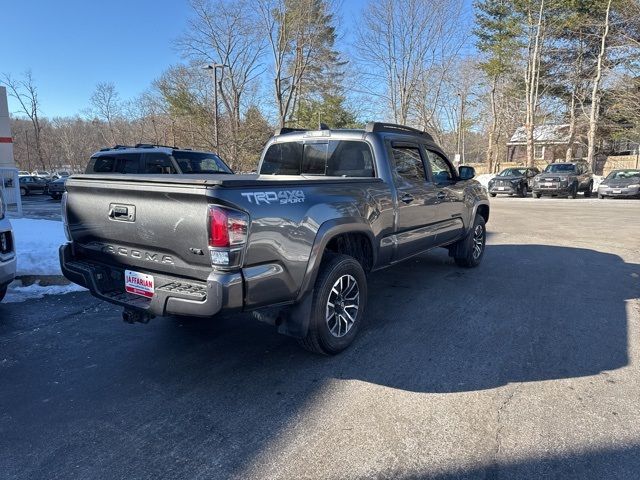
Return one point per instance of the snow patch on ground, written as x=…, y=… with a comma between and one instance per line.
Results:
x=484, y=179
x=37, y=243
x=18, y=293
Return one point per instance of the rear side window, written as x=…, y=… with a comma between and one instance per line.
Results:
x=123, y=163
x=342, y=158
x=198, y=162
x=158, y=163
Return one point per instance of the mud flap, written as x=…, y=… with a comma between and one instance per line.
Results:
x=294, y=320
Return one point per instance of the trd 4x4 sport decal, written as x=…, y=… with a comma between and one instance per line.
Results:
x=282, y=197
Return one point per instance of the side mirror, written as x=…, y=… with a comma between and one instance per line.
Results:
x=466, y=173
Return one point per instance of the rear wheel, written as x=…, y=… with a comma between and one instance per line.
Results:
x=23, y=191
x=574, y=191
x=468, y=252
x=493, y=194
x=587, y=192
x=600, y=196
x=523, y=191
x=537, y=195
x=337, y=309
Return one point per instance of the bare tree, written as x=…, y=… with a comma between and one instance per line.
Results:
x=404, y=50
x=26, y=93
x=595, y=91
x=298, y=33
x=106, y=106
x=224, y=32
x=535, y=25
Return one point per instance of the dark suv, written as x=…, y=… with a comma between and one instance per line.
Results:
x=564, y=179
x=513, y=181
x=150, y=159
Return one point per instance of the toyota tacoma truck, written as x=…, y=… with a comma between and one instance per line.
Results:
x=294, y=243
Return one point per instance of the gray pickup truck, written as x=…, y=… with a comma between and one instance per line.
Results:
x=293, y=243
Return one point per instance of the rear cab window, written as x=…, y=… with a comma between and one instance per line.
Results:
x=339, y=158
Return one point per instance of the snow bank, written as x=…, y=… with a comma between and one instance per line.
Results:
x=17, y=293
x=37, y=243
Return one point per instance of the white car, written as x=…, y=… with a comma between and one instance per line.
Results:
x=7, y=252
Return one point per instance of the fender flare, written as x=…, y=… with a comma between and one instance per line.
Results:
x=327, y=231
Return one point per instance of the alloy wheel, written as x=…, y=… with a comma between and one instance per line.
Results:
x=342, y=305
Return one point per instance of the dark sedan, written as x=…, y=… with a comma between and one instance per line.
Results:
x=32, y=184
x=620, y=183
x=512, y=181
x=56, y=188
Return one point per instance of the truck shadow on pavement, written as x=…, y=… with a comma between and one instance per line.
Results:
x=203, y=399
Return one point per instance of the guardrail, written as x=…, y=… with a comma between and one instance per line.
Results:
x=10, y=187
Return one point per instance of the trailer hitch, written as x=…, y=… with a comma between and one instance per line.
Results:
x=135, y=316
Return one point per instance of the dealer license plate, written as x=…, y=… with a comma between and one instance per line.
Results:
x=138, y=283
x=501, y=188
x=548, y=184
x=617, y=190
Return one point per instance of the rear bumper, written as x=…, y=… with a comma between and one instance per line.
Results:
x=173, y=295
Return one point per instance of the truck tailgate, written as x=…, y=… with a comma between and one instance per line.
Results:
x=148, y=226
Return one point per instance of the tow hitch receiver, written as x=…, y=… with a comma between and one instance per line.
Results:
x=135, y=316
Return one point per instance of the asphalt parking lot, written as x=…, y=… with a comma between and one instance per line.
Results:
x=41, y=207
x=527, y=367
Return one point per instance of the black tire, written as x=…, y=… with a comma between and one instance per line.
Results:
x=3, y=292
x=587, y=192
x=601, y=197
x=493, y=194
x=537, y=195
x=522, y=193
x=574, y=191
x=323, y=336
x=464, y=251
x=23, y=192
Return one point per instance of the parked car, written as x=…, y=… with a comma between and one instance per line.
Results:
x=56, y=188
x=31, y=185
x=564, y=179
x=41, y=174
x=513, y=181
x=620, y=183
x=7, y=251
x=144, y=158
x=294, y=242
x=23, y=173
x=60, y=174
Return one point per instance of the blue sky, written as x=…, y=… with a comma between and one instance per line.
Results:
x=71, y=45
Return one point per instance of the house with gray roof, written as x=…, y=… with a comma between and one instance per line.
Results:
x=550, y=144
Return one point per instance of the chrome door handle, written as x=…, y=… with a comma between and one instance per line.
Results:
x=407, y=198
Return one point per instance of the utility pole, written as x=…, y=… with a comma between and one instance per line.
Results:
x=213, y=67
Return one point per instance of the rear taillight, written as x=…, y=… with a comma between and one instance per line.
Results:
x=228, y=230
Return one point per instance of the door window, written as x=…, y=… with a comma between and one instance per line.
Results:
x=408, y=163
x=158, y=163
x=441, y=169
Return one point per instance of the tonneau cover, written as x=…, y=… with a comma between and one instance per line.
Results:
x=222, y=180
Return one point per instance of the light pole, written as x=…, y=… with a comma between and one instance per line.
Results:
x=213, y=67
